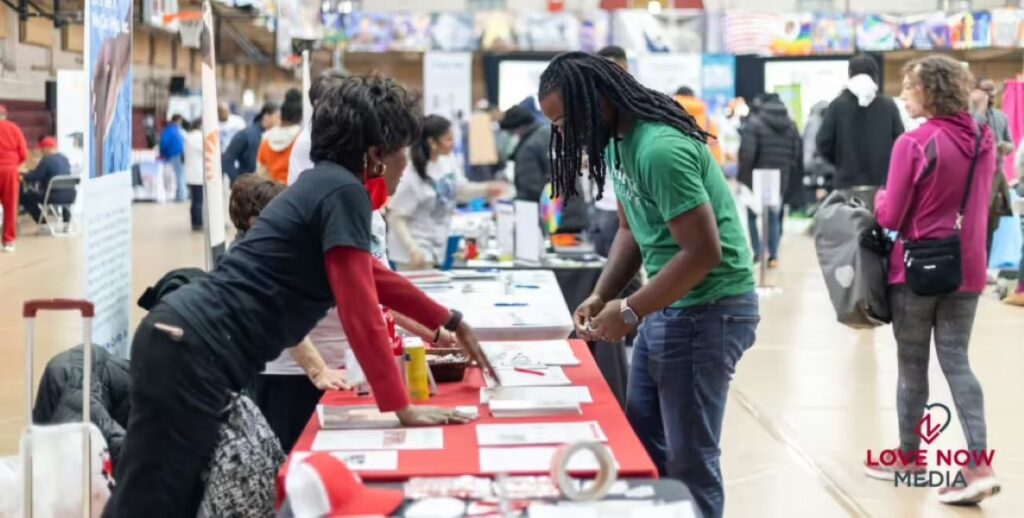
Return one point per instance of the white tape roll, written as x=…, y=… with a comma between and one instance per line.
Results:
x=607, y=472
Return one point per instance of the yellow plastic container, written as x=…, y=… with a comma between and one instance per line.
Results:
x=416, y=371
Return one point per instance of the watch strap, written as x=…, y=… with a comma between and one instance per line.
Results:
x=453, y=322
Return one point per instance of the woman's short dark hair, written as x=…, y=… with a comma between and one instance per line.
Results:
x=945, y=84
x=249, y=195
x=359, y=112
x=291, y=110
x=322, y=83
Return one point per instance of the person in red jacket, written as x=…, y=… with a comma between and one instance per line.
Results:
x=13, y=153
x=309, y=250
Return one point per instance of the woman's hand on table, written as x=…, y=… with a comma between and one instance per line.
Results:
x=413, y=415
x=589, y=308
x=466, y=339
x=331, y=379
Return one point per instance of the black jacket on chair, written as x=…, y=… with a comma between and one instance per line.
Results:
x=770, y=140
x=859, y=139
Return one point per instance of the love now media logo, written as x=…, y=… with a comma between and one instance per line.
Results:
x=910, y=469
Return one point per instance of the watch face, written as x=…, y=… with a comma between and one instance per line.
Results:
x=628, y=316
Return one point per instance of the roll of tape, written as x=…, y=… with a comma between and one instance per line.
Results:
x=607, y=472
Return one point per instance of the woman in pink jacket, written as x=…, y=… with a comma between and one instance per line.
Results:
x=928, y=173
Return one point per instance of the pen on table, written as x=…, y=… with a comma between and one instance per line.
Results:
x=529, y=371
x=528, y=286
x=509, y=304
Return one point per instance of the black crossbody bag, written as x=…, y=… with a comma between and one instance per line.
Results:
x=934, y=266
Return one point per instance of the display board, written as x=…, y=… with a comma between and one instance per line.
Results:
x=667, y=72
x=107, y=191
x=518, y=80
x=213, y=179
x=816, y=80
x=71, y=121
x=447, y=84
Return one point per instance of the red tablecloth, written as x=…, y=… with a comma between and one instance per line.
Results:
x=460, y=454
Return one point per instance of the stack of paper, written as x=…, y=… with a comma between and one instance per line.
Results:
x=397, y=439
x=427, y=277
x=520, y=377
x=534, y=459
x=354, y=417
x=538, y=433
x=572, y=394
x=507, y=408
x=520, y=354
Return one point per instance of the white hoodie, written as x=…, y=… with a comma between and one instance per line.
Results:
x=863, y=88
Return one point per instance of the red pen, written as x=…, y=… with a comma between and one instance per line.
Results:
x=529, y=371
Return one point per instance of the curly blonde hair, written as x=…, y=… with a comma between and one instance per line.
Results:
x=945, y=84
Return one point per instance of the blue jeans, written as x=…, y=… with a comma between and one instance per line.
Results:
x=178, y=166
x=774, y=233
x=683, y=361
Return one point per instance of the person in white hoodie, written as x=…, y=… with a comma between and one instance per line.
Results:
x=194, y=172
x=858, y=131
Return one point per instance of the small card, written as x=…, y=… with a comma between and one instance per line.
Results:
x=520, y=377
x=538, y=433
x=398, y=439
x=541, y=394
x=383, y=460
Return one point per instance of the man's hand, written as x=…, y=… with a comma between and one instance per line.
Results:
x=466, y=339
x=331, y=379
x=430, y=416
x=608, y=325
x=587, y=310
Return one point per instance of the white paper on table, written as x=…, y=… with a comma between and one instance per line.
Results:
x=505, y=214
x=573, y=393
x=545, y=352
x=380, y=460
x=532, y=459
x=613, y=509
x=521, y=434
x=529, y=240
x=395, y=439
x=553, y=376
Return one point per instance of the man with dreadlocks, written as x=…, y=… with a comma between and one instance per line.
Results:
x=677, y=220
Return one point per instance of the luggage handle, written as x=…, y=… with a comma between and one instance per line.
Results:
x=30, y=309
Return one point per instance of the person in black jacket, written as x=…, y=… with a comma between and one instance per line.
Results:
x=532, y=163
x=34, y=184
x=240, y=156
x=858, y=132
x=769, y=140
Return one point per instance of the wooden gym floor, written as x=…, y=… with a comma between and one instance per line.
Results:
x=807, y=402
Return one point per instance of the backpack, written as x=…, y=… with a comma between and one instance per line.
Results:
x=171, y=281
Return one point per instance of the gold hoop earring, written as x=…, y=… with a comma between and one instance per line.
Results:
x=379, y=169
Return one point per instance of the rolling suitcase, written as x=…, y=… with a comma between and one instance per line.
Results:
x=31, y=309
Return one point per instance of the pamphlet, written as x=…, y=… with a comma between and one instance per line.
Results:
x=519, y=354
x=383, y=460
x=538, y=433
x=540, y=394
x=508, y=408
x=533, y=459
x=532, y=377
x=396, y=439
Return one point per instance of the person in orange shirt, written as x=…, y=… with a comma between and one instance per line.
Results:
x=13, y=153
x=699, y=111
x=276, y=148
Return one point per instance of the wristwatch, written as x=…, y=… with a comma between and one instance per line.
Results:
x=628, y=315
x=454, y=321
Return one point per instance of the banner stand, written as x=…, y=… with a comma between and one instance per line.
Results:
x=767, y=182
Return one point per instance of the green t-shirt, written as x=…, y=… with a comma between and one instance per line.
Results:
x=665, y=173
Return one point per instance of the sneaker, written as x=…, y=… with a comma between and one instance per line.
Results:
x=773, y=264
x=888, y=473
x=1015, y=299
x=8, y=248
x=981, y=484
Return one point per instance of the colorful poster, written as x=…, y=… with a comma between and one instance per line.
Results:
x=876, y=33
x=594, y=27
x=718, y=82
x=747, y=32
x=1006, y=27
x=794, y=37
x=453, y=32
x=680, y=31
x=833, y=34
x=790, y=96
x=334, y=30
x=667, y=72
x=548, y=31
x=497, y=31
x=213, y=179
x=971, y=30
x=368, y=32
x=410, y=32
x=107, y=191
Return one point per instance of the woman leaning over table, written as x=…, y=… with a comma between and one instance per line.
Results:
x=308, y=250
x=928, y=174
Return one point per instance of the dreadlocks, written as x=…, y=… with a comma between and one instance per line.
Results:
x=583, y=80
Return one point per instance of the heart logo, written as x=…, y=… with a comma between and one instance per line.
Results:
x=935, y=420
x=844, y=274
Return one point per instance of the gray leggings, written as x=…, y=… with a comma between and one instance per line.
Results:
x=951, y=318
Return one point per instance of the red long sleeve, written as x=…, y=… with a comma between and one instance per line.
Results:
x=398, y=294
x=351, y=273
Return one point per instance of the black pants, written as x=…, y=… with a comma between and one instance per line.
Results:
x=287, y=402
x=179, y=393
x=195, y=192
x=29, y=199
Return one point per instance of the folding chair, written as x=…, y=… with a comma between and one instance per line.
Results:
x=51, y=213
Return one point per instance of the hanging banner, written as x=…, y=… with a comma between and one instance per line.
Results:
x=1006, y=27
x=833, y=34
x=677, y=30
x=971, y=30
x=447, y=84
x=107, y=190
x=71, y=121
x=718, y=85
x=667, y=72
x=594, y=30
x=496, y=30
x=794, y=37
x=213, y=178
x=453, y=32
x=410, y=32
x=876, y=33
x=548, y=32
